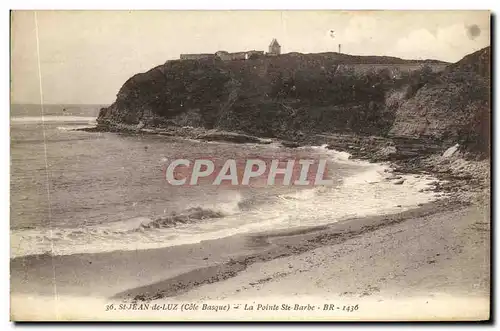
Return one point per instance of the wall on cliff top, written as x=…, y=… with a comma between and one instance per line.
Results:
x=453, y=106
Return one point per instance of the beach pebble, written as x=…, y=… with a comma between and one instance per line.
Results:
x=399, y=182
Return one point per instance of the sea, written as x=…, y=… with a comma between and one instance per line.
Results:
x=75, y=192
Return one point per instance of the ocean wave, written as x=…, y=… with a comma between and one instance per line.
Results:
x=366, y=192
x=191, y=215
x=334, y=155
x=76, y=127
x=52, y=118
x=128, y=234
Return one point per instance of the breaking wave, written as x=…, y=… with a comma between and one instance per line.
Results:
x=130, y=234
x=189, y=216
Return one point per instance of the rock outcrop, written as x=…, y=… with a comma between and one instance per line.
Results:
x=453, y=107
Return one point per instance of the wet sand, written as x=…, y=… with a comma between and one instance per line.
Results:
x=438, y=248
x=427, y=255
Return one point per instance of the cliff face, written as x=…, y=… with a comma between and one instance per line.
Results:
x=269, y=96
x=294, y=95
x=185, y=89
x=453, y=106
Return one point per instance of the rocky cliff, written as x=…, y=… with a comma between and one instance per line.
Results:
x=453, y=106
x=296, y=95
x=283, y=97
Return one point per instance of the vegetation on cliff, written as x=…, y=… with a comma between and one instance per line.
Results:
x=280, y=97
x=295, y=94
x=453, y=106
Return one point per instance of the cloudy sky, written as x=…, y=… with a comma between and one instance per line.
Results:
x=85, y=56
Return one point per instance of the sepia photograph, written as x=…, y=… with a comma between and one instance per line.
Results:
x=250, y=165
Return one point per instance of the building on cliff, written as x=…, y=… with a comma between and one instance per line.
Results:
x=196, y=56
x=226, y=56
x=274, y=48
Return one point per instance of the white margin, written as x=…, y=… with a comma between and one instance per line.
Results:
x=186, y=4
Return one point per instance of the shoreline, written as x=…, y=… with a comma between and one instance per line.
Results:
x=405, y=156
x=277, y=244
x=264, y=266
x=177, y=271
x=179, y=265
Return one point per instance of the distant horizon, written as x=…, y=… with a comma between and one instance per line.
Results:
x=86, y=56
x=59, y=104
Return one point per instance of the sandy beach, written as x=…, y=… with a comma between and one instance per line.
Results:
x=438, y=252
x=441, y=257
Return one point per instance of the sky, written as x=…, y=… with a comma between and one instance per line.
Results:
x=84, y=57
